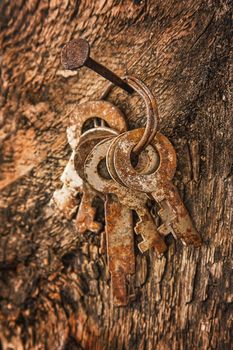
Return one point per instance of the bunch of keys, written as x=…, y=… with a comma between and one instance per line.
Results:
x=101, y=164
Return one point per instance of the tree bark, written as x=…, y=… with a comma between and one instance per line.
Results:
x=54, y=284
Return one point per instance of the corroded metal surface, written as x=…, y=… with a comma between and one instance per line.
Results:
x=130, y=198
x=86, y=143
x=147, y=162
x=65, y=198
x=140, y=181
x=76, y=54
x=175, y=217
x=85, y=218
x=118, y=226
x=151, y=110
x=86, y=212
x=90, y=110
x=120, y=248
x=151, y=113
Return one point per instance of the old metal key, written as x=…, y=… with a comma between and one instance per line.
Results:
x=65, y=198
x=175, y=217
x=130, y=199
x=120, y=248
x=120, y=237
x=121, y=259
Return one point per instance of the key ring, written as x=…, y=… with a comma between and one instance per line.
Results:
x=151, y=110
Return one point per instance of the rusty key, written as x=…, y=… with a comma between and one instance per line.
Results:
x=123, y=249
x=158, y=184
x=118, y=226
x=65, y=198
x=133, y=200
x=120, y=248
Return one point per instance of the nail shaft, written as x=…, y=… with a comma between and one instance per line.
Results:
x=76, y=54
x=108, y=74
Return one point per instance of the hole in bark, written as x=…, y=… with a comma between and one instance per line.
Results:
x=72, y=344
x=68, y=259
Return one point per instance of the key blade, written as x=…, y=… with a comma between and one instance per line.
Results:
x=165, y=229
x=120, y=247
x=85, y=219
x=150, y=235
x=176, y=217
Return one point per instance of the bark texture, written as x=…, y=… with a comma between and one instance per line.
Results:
x=54, y=285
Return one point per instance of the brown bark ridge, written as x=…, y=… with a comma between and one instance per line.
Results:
x=54, y=285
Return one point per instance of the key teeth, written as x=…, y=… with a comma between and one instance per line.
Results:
x=143, y=246
x=156, y=240
x=166, y=228
x=165, y=214
x=86, y=222
x=167, y=217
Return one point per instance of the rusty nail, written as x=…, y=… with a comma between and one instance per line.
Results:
x=76, y=54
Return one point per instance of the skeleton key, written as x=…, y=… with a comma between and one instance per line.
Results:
x=65, y=198
x=120, y=241
x=113, y=117
x=173, y=212
x=130, y=199
x=122, y=249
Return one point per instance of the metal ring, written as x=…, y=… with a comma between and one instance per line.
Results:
x=152, y=113
x=151, y=108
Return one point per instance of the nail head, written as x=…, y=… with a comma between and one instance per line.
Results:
x=75, y=53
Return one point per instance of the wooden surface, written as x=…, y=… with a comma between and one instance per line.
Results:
x=54, y=285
